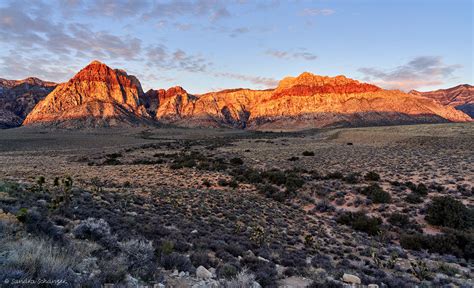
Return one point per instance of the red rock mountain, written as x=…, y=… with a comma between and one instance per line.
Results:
x=460, y=97
x=96, y=96
x=19, y=97
x=101, y=96
x=306, y=101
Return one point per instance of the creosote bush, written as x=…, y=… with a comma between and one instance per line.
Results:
x=361, y=222
x=449, y=212
x=375, y=193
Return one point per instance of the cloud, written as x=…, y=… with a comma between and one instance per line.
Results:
x=418, y=72
x=317, y=12
x=161, y=57
x=264, y=82
x=299, y=54
x=238, y=31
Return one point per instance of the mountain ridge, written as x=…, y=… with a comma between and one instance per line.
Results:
x=101, y=96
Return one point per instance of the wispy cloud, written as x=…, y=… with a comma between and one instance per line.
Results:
x=317, y=12
x=298, y=54
x=161, y=57
x=418, y=72
x=263, y=82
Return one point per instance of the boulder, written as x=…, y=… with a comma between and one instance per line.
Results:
x=349, y=278
x=203, y=273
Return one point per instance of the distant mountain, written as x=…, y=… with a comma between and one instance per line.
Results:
x=97, y=96
x=306, y=101
x=461, y=97
x=19, y=97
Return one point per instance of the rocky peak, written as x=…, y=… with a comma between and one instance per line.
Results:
x=307, y=84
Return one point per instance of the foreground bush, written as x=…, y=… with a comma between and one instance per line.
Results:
x=448, y=212
x=454, y=242
x=360, y=222
x=36, y=259
x=375, y=193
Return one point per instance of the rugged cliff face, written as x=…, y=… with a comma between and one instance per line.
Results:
x=306, y=101
x=19, y=97
x=96, y=96
x=101, y=96
x=460, y=97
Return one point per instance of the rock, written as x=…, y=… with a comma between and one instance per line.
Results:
x=159, y=285
x=349, y=278
x=182, y=274
x=255, y=284
x=175, y=273
x=130, y=281
x=203, y=273
x=96, y=96
x=194, y=231
x=372, y=286
x=263, y=259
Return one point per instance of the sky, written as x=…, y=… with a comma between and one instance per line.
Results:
x=209, y=45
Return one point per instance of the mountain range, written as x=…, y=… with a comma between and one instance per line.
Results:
x=99, y=96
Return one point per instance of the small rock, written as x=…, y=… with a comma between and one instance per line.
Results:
x=159, y=285
x=262, y=259
x=349, y=278
x=256, y=285
x=194, y=231
x=203, y=273
x=372, y=286
x=181, y=274
x=175, y=273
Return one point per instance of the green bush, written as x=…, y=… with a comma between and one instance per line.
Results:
x=454, y=242
x=399, y=219
x=372, y=176
x=375, y=193
x=361, y=222
x=449, y=212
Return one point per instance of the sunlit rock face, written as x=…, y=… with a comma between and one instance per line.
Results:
x=96, y=96
x=460, y=97
x=19, y=97
x=101, y=96
x=306, y=101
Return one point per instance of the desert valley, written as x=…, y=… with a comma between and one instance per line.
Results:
x=103, y=183
x=236, y=144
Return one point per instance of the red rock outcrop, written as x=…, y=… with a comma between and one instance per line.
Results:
x=306, y=101
x=101, y=96
x=96, y=96
x=460, y=97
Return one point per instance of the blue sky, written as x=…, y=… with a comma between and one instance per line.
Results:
x=207, y=45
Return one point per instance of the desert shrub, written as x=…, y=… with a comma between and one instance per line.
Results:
x=455, y=242
x=372, y=176
x=326, y=283
x=335, y=175
x=273, y=192
x=419, y=189
x=399, y=219
x=293, y=158
x=201, y=258
x=36, y=259
x=236, y=161
x=449, y=212
x=166, y=247
x=96, y=230
x=265, y=272
x=352, y=178
x=141, y=257
x=227, y=271
x=113, y=270
x=308, y=153
x=375, y=193
x=361, y=222
x=324, y=206
x=243, y=279
x=176, y=261
x=414, y=198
